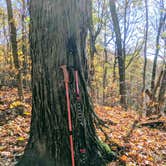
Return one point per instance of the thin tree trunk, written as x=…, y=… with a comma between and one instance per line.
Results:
x=93, y=36
x=121, y=62
x=161, y=23
x=105, y=64
x=145, y=47
x=24, y=42
x=105, y=74
x=92, y=50
x=114, y=66
x=13, y=40
x=125, y=29
x=162, y=90
x=5, y=50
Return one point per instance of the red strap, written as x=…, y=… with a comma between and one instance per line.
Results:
x=66, y=80
x=82, y=150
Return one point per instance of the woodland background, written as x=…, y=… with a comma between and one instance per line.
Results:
x=126, y=62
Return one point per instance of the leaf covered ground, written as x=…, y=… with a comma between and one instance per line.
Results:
x=131, y=138
x=141, y=145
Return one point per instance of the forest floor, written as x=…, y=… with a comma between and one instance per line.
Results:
x=137, y=141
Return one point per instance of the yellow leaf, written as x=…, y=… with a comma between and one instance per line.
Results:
x=15, y=104
x=20, y=139
x=27, y=113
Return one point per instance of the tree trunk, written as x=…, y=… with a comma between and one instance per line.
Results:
x=6, y=51
x=105, y=74
x=125, y=29
x=54, y=41
x=115, y=64
x=161, y=23
x=161, y=97
x=93, y=33
x=92, y=49
x=121, y=61
x=145, y=46
x=24, y=42
x=105, y=63
x=13, y=40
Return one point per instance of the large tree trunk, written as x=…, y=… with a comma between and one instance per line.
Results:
x=54, y=41
x=121, y=59
x=13, y=40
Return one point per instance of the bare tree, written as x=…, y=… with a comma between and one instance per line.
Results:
x=145, y=45
x=161, y=23
x=13, y=40
x=120, y=56
x=94, y=31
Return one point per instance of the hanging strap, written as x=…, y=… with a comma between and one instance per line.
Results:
x=82, y=143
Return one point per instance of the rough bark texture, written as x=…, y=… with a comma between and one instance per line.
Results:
x=55, y=37
x=13, y=40
x=121, y=61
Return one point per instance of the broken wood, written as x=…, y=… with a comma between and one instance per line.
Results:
x=152, y=124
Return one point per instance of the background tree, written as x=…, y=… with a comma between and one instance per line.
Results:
x=24, y=40
x=96, y=14
x=13, y=40
x=145, y=45
x=121, y=61
x=161, y=23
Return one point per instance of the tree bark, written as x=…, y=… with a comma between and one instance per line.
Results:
x=161, y=96
x=54, y=41
x=93, y=34
x=125, y=29
x=121, y=61
x=161, y=23
x=13, y=40
x=105, y=63
x=145, y=47
x=24, y=42
x=6, y=51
